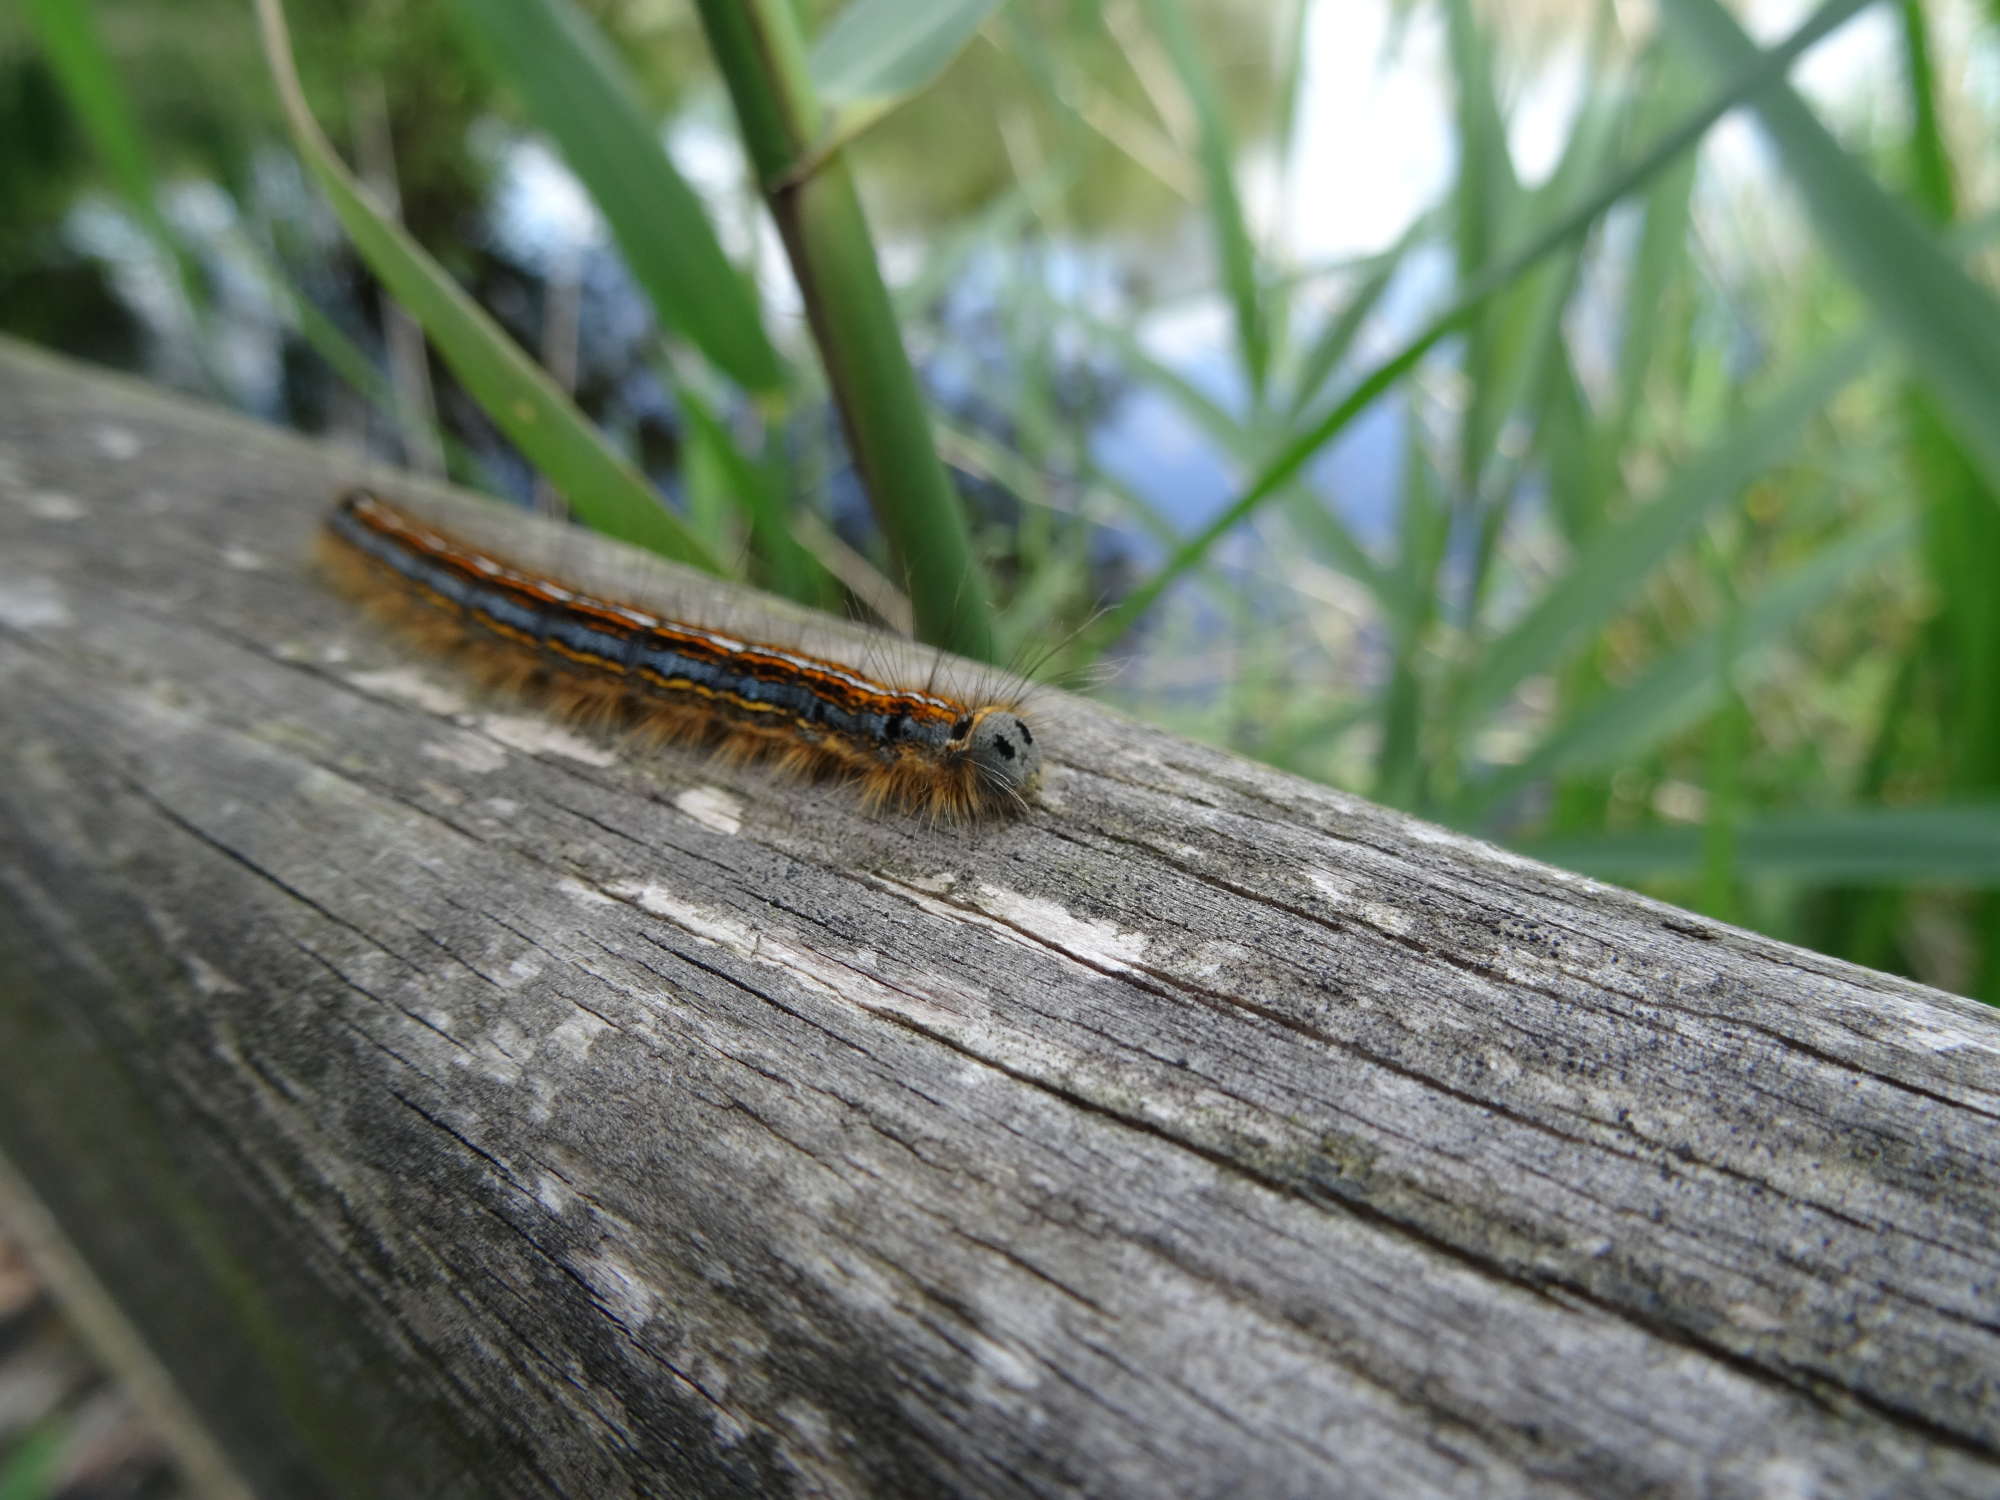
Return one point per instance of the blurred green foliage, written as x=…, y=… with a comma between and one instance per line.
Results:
x=1691, y=502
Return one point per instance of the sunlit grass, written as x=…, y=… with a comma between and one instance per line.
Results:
x=1688, y=580
x=1598, y=620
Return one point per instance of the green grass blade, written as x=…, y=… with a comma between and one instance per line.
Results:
x=878, y=53
x=1603, y=578
x=577, y=89
x=1332, y=537
x=1220, y=425
x=1234, y=250
x=1962, y=659
x=326, y=339
x=1930, y=157
x=1578, y=454
x=602, y=488
x=1484, y=189
x=1962, y=530
x=1947, y=325
x=1402, y=776
x=1035, y=614
x=28, y=1465
x=1530, y=321
x=756, y=492
x=1331, y=345
x=1651, y=334
x=1084, y=114
x=1624, y=724
x=1292, y=60
x=68, y=34
x=1528, y=369
x=1727, y=742
x=762, y=57
x=342, y=355
x=67, y=30
x=1957, y=844
x=1298, y=452
x=1000, y=222
x=710, y=499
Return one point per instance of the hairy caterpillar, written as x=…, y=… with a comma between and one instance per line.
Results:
x=604, y=655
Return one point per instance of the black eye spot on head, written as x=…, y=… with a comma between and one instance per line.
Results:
x=1004, y=747
x=1026, y=738
x=962, y=728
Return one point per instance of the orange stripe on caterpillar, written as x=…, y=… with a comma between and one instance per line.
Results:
x=597, y=659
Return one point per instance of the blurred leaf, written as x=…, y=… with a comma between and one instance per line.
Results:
x=67, y=30
x=1945, y=322
x=68, y=34
x=1603, y=578
x=28, y=1465
x=1528, y=367
x=744, y=488
x=758, y=49
x=1225, y=208
x=1034, y=615
x=890, y=49
x=999, y=222
x=1242, y=443
x=708, y=488
x=1650, y=333
x=1624, y=723
x=1424, y=531
x=1293, y=59
x=601, y=487
x=1483, y=188
x=1297, y=451
x=1086, y=114
x=576, y=88
x=1952, y=845
x=326, y=338
x=1962, y=535
x=878, y=53
x=1930, y=159
x=1330, y=347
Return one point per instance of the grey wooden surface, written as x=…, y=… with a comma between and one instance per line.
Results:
x=460, y=1107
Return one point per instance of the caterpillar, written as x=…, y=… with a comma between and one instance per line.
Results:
x=671, y=668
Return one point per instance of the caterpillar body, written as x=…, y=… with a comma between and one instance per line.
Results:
x=603, y=655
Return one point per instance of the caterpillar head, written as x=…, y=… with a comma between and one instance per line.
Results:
x=1003, y=747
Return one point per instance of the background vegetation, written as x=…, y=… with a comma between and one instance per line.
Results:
x=1636, y=502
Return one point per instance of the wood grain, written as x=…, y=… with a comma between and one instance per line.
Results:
x=461, y=1108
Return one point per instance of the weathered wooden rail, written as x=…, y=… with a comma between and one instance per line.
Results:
x=458, y=1108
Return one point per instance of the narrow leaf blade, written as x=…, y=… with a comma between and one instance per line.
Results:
x=1944, y=321
x=577, y=89
x=1603, y=578
x=1946, y=845
x=602, y=488
x=878, y=53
